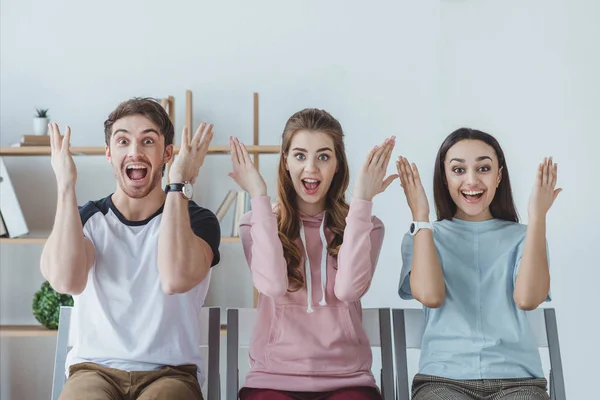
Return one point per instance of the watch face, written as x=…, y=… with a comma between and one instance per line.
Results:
x=188, y=190
x=412, y=228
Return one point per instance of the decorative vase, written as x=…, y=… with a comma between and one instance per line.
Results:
x=40, y=126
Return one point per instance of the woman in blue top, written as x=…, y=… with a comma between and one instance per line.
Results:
x=476, y=271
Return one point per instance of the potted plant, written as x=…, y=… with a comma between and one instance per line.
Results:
x=46, y=305
x=40, y=122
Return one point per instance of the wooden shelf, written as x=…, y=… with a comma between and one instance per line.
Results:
x=25, y=330
x=42, y=239
x=230, y=239
x=40, y=331
x=99, y=151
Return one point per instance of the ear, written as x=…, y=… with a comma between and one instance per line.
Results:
x=499, y=176
x=168, y=154
x=107, y=152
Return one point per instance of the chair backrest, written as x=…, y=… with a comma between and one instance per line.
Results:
x=210, y=335
x=409, y=325
x=240, y=324
x=64, y=338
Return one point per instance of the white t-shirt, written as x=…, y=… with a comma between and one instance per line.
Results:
x=123, y=319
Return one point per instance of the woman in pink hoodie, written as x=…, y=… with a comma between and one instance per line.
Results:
x=312, y=258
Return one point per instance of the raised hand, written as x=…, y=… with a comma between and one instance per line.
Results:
x=413, y=189
x=370, y=180
x=191, y=154
x=544, y=192
x=244, y=173
x=61, y=159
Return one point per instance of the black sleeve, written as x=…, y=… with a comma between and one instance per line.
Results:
x=86, y=211
x=206, y=226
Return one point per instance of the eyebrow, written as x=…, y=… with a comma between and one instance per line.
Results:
x=149, y=130
x=306, y=151
x=481, y=158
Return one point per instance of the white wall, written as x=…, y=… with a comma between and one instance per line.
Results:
x=524, y=71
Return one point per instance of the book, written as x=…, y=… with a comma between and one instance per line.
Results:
x=3, y=231
x=12, y=215
x=225, y=205
x=35, y=140
x=240, y=207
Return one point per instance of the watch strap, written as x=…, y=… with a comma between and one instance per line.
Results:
x=415, y=226
x=174, y=187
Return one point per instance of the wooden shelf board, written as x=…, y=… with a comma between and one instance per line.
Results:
x=38, y=330
x=97, y=151
x=25, y=330
x=230, y=239
x=39, y=239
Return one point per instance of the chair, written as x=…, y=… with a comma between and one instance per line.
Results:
x=210, y=317
x=376, y=322
x=409, y=325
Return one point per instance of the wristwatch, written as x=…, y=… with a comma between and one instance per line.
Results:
x=186, y=189
x=416, y=226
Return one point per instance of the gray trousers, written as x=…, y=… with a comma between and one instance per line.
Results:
x=426, y=387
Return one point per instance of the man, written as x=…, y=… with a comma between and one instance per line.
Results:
x=135, y=261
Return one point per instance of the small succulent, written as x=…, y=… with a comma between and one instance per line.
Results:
x=46, y=305
x=42, y=112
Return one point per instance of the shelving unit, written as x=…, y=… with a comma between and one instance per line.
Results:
x=39, y=238
x=40, y=331
x=25, y=331
x=99, y=151
x=42, y=240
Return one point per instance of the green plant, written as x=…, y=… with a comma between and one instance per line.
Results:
x=46, y=305
x=42, y=112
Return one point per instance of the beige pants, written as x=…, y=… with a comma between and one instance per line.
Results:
x=89, y=381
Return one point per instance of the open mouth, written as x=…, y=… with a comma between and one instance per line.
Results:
x=311, y=185
x=136, y=172
x=472, y=196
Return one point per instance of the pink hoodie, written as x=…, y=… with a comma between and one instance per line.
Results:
x=311, y=340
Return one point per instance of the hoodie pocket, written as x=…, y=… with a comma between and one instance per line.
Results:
x=321, y=342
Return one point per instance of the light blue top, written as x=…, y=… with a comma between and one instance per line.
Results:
x=478, y=332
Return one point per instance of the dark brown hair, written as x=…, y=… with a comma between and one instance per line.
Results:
x=336, y=208
x=149, y=108
x=502, y=206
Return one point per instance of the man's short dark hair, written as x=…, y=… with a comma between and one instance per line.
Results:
x=149, y=108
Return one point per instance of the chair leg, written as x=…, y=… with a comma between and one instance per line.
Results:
x=62, y=344
x=557, y=381
x=232, y=378
x=387, y=360
x=214, y=340
x=402, y=385
x=551, y=386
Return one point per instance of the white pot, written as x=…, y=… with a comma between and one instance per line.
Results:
x=40, y=126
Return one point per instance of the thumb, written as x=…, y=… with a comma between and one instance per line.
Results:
x=388, y=181
x=556, y=193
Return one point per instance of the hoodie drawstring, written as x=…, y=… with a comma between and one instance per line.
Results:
x=323, y=302
x=307, y=269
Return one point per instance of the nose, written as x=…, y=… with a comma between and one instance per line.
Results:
x=134, y=149
x=471, y=177
x=311, y=166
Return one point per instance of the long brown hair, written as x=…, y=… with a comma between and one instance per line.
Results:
x=336, y=208
x=502, y=206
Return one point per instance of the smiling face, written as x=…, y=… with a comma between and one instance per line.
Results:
x=137, y=153
x=311, y=162
x=472, y=174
